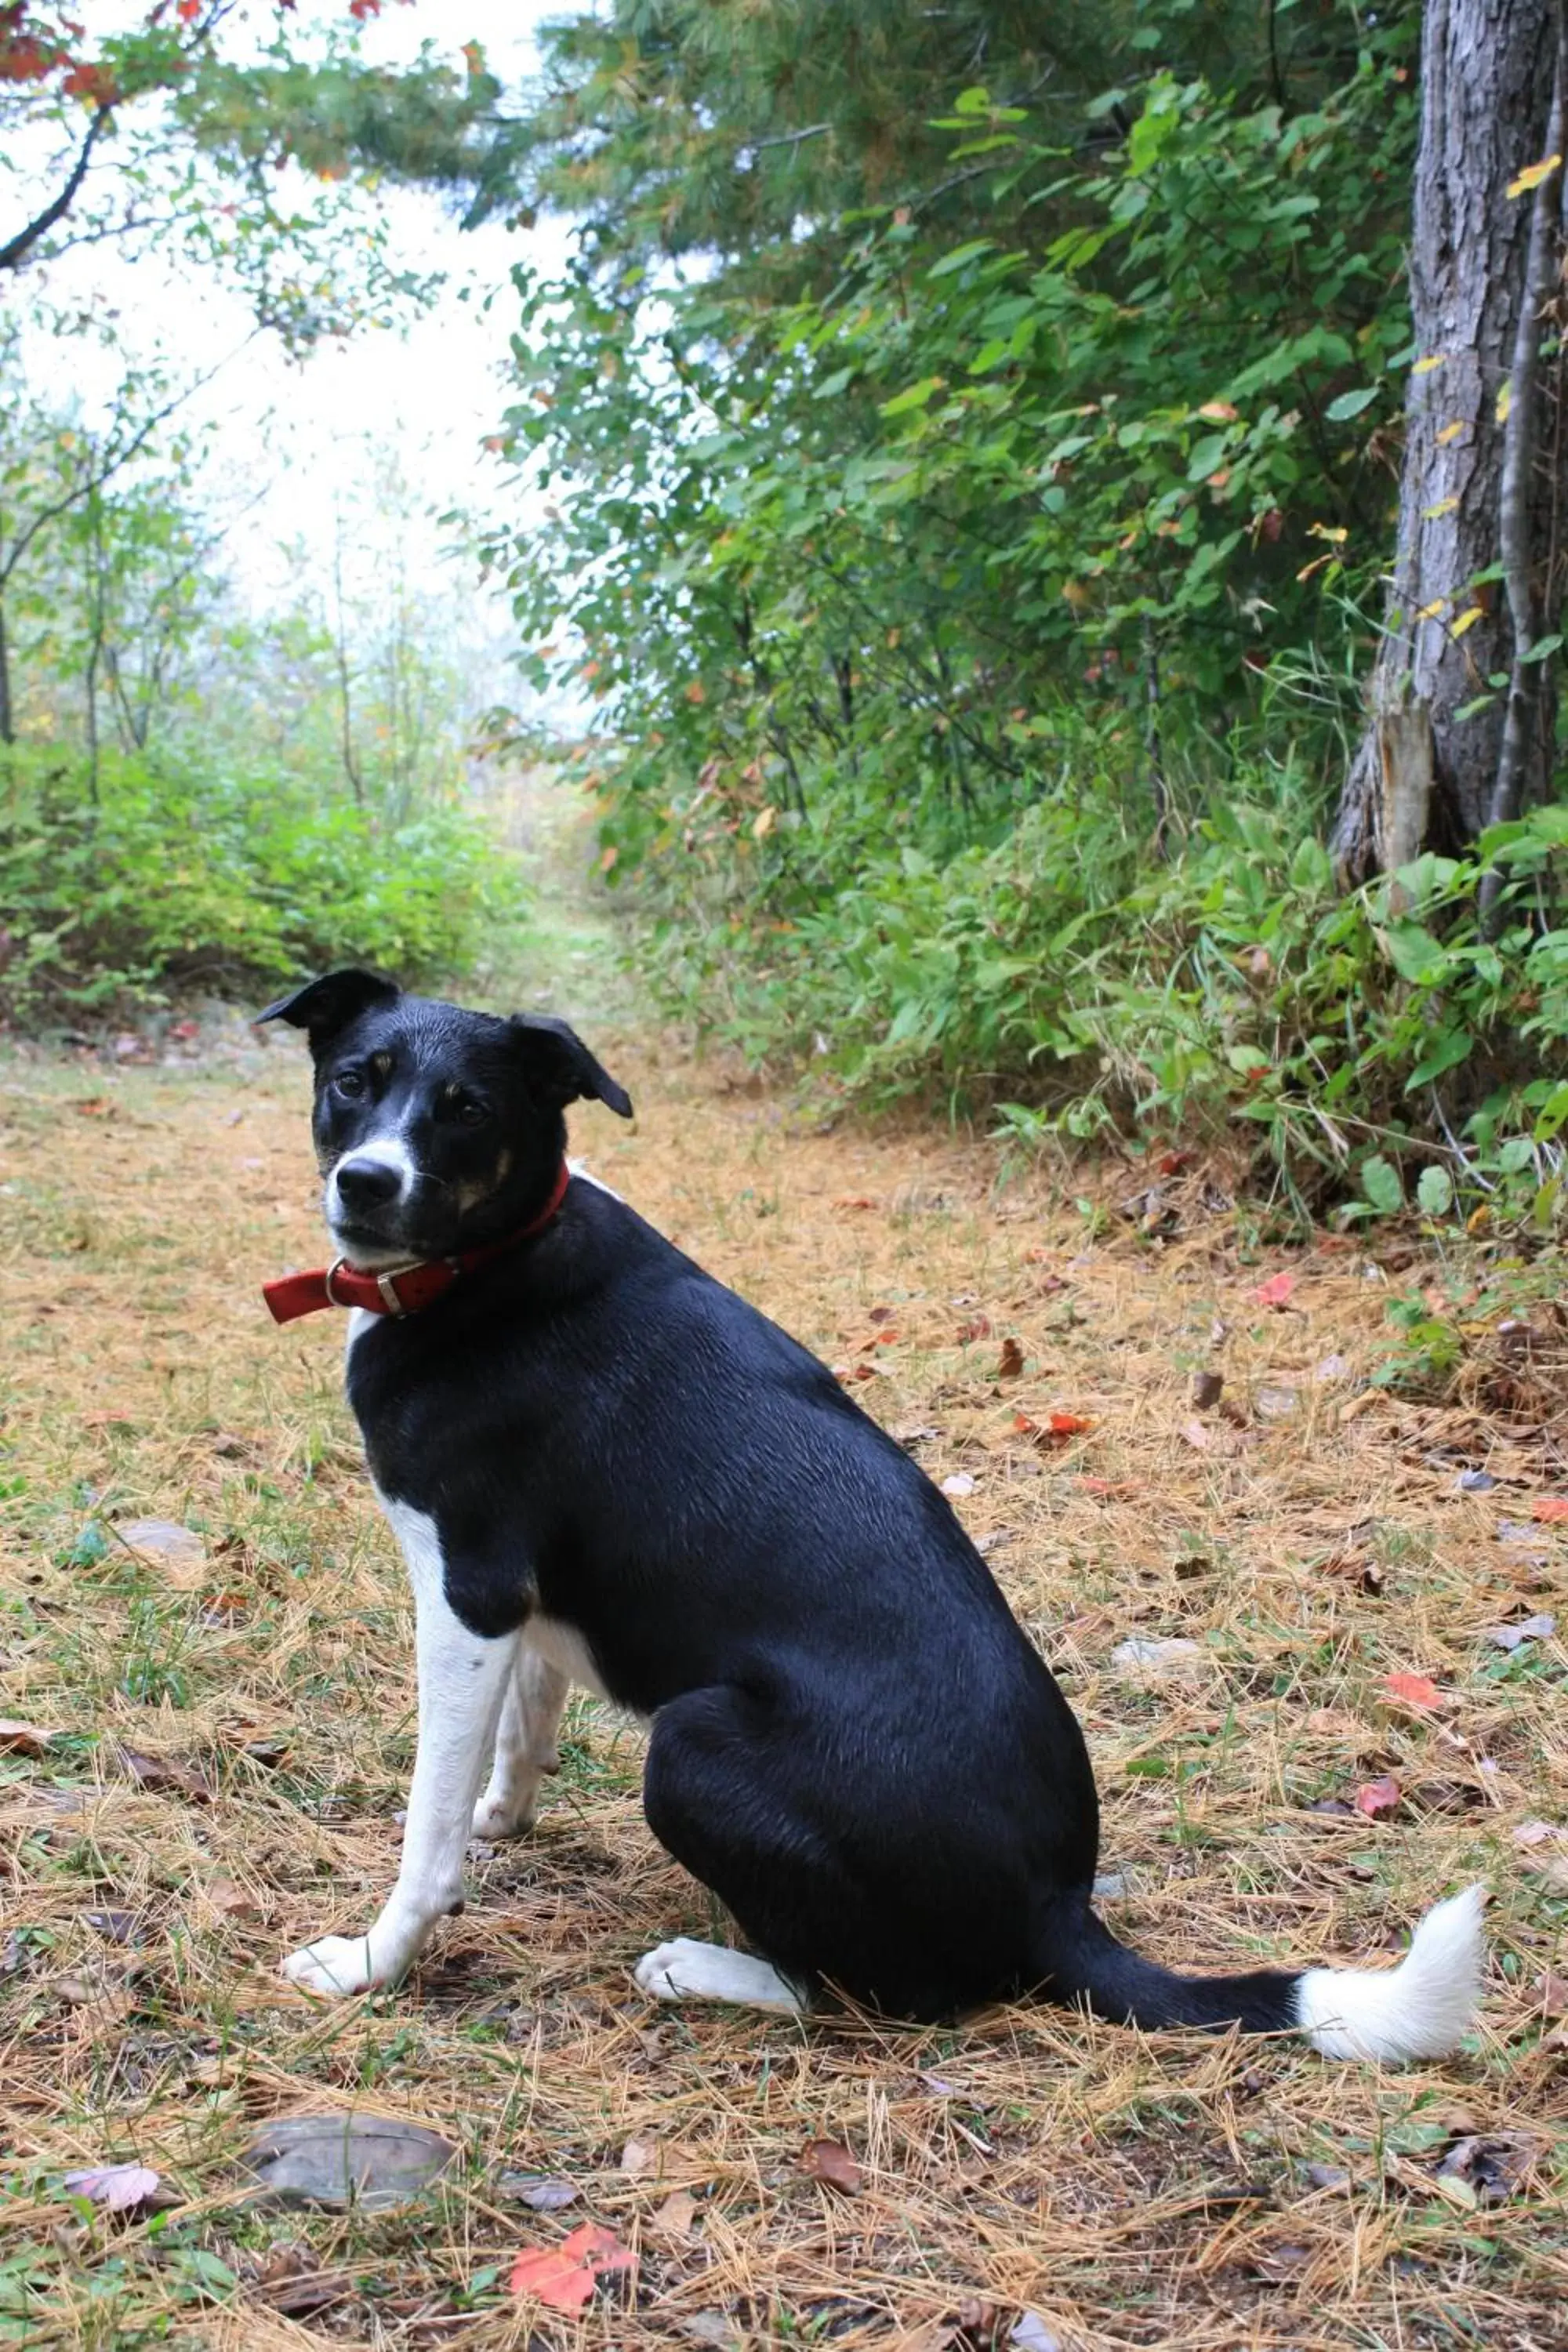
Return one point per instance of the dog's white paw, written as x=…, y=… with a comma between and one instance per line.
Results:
x=684, y=1969
x=501, y=1817
x=336, y=1965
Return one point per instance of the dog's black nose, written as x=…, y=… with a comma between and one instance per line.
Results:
x=368, y=1184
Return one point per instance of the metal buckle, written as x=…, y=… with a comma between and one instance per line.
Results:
x=336, y=1267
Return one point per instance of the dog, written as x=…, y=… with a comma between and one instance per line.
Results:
x=605, y=1468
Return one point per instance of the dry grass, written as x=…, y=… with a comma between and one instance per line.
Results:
x=1132, y=2191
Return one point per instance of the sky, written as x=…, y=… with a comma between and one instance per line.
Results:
x=298, y=444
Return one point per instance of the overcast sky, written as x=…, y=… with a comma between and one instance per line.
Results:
x=302, y=433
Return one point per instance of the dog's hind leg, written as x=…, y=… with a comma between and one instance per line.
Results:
x=683, y=1970
x=525, y=1746
x=463, y=1678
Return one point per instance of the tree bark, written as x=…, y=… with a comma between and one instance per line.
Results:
x=1488, y=71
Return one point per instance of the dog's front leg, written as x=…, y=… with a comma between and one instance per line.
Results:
x=463, y=1679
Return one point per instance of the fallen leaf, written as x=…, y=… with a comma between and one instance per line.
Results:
x=164, y=1775
x=118, y=2188
x=958, y=1482
x=1531, y=1833
x=23, y=1739
x=116, y=1926
x=1529, y=1629
x=639, y=2157
x=1274, y=1402
x=1553, y=1988
x=373, y=2162
x=856, y=1201
x=1207, y=1389
x=710, y=2327
x=232, y=1900
x=1011, y=1362
x=543, y=2195
x=882, y=1315
x=1374, y=1797
x=676, y=2217
x=1162, y=1660
x=845, y=1373
x=827, y=2160
x=1030, y=2334
x=1275, y=1291
x=164, y=1542
x=977, y=1327
x=1332, y=1367
x=1493, y=2165
x=1195, y=1434
x=1552, y=1510
x=1413, y=1690
x=564, y=2276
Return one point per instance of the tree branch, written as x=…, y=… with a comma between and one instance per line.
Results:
x=13, y=255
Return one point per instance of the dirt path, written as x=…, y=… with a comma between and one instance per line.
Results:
x=1169, y=2192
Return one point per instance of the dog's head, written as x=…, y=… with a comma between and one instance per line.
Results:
x=436, y=1129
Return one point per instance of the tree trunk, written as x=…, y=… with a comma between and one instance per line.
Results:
x=1424, y=773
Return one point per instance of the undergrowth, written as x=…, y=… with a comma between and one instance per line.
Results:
x=148, y=873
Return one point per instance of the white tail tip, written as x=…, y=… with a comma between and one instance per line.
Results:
x=1422, y=2009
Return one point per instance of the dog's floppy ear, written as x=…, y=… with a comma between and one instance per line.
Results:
x=560, y=1068
x=324, y=1006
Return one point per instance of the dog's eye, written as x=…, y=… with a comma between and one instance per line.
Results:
x=471, y=1113
x=349, y=1082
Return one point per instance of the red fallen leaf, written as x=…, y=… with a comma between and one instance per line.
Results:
x=1097, y=1486
x=1552, y=1510
x=826, y=2160
x=1375, y=1797
x=1171, y=1163
x=856, y=1201
x=845, y=1373
x=1276, y=1290
x=1413, y=1690
x=977, y=1327
x=880, y=1315
x=1011, y=1362
x=564, y=2276
x=23, y=1739
x=1069, y=1425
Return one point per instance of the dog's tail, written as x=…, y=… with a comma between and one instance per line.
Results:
x=1418, y=2010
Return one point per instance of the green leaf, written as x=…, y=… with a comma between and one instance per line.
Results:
x=1383, y=1185
x=916, y=397
x=1435, y=1191
x=1350, y=403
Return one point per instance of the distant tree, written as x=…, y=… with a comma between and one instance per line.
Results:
x=164, y=134
x=1463, y=698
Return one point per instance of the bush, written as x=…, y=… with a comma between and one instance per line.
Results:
x=1363, y=1047
x=157, y=876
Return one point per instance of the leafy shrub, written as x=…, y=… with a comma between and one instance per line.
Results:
x=1357, y=1045
x=160, y=876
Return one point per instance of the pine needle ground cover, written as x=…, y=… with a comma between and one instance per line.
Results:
x=1163, y=1436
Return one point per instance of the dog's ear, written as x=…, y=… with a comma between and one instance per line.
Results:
x=559, y=1067
x=323, y=1007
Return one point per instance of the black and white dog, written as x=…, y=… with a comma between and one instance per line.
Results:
x=603, y=1467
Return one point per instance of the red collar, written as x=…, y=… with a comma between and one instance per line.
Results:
x=402, y=1290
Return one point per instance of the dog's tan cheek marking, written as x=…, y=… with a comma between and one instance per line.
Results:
x=470, y=1195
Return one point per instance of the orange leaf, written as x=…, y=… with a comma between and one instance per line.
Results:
x=1276, y=1290
x=825, y=2159
x=564, y=2276
x=1374, y=1797
x=1552, y=1510
x=1414, y=1691
x=1069, y=1425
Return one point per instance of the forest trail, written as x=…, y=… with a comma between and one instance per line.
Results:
x=231, y=1730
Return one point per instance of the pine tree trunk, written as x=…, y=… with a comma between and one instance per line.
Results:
x=1423, y=774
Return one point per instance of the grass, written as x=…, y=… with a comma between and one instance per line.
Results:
x=1132, y=2191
